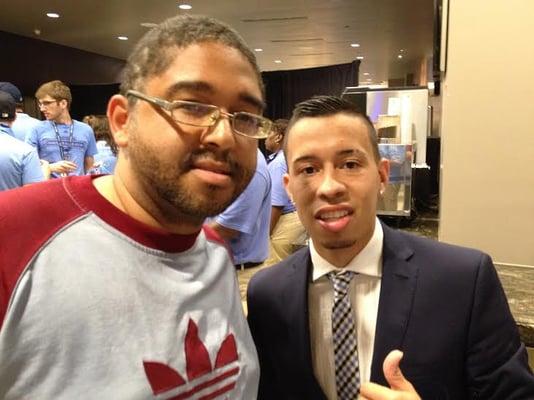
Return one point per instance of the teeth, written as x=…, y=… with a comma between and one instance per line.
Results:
x=333, y=214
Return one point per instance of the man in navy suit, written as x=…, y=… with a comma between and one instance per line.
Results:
x=442, y=306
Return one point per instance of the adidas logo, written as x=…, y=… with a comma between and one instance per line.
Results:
x=203, y=382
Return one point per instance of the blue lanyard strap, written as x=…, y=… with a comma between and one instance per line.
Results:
x=58, y=138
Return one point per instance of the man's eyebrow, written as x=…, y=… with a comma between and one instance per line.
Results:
x=196, y=86
x=340, y=153
x=253, y=101
x=349, y=152
x=204, y=87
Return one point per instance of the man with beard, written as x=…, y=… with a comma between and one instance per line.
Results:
x=329, y=321
x=110, y=287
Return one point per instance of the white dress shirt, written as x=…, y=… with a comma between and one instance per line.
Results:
x=364, y=292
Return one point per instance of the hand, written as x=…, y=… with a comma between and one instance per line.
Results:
x=400, y=389
x=63, y=167
x=45, y=167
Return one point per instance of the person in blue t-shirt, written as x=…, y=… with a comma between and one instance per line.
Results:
x=68, y=145
x=106, y=158
x=19, y=163
x=23, y=124
x=245, y=223
x=286, y=231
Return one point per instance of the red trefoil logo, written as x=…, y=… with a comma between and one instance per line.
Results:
x=202, y=379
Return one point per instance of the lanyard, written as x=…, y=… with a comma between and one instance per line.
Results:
x=71, y=137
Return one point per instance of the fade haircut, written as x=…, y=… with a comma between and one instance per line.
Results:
x=324, y=106
x=153, y=53
x=55, y=89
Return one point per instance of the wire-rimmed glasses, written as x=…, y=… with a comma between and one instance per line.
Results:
x=206, y=115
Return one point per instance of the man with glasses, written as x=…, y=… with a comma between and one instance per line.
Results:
x=119, y=292
x=68, y=145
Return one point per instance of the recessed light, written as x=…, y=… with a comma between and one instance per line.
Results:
x=122, y=37
x=366, y=73
x=399, y=56
x=185, y=7
x=278, y=61
x=402, y=50
x=258, y=50
x=359, y=58
x=354, y=45
x=52, y=15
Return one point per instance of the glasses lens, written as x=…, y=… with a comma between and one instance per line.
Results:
x=197, y=114
x=251, y=125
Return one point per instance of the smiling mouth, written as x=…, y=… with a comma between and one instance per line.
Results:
x=332, y=215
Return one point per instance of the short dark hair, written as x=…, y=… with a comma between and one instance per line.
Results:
x=324, y=106
x=151, y=54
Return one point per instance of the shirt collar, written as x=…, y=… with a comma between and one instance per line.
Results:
x=366, y=262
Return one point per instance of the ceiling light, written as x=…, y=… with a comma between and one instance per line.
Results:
x=359, y=58
x=258, y=50
x=366, y=73
x=52, y=15
x=354, y=45
x=399, y=56
x=278, y=61
x=402, y=50
x=122, y=37
x=185, y=7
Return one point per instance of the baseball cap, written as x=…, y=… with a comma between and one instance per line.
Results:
x=14, y=91
x=8, y=106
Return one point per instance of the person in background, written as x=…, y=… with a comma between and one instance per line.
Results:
x=19, y=163
x=287, y=234
x=245, y=223
x=23, y=123
x=334, y=320
x=68, y=145
x=106, y=157
x=110, y=286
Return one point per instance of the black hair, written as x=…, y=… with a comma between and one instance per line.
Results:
x=323, y=106
x=151, y=54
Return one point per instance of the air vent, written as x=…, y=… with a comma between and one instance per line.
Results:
x=282, y=19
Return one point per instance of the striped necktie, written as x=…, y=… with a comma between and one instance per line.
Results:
x=344, y=338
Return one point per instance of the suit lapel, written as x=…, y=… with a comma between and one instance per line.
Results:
x=399, y=278
x=296, y=300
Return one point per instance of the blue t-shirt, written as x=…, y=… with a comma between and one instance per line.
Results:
x=19, y=163
x=277, y=170
x=83, y=144
x=23, y=125
x=250, y=214
x=105, y=160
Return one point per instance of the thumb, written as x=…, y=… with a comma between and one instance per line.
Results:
x=393, y=374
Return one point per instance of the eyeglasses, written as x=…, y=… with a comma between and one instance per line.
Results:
x=206, y=115
x=45, y=103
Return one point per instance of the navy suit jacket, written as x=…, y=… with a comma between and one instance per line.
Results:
x=442, y=305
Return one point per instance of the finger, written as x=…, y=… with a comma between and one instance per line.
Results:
x=372, y=391
x=393, y=373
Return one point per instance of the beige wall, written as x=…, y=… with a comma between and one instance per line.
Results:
x=487, y=181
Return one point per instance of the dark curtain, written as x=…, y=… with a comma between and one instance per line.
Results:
x=91, y=99
x=284, y=89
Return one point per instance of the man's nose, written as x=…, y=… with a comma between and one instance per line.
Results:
x=221, y=134
x=330, y=186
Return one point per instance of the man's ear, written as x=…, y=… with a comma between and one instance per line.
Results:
x=383, y=172
x=286, y=186
x=118, y=119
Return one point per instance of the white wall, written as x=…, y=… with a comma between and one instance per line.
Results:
x=487, y=181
